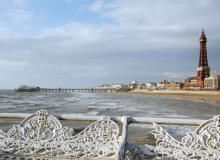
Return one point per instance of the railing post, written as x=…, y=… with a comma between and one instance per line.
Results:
x=123, y=139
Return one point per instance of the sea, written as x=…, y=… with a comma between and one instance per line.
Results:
x=118, y=104
x=113, y=104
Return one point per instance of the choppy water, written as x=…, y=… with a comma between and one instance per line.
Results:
x=107, y=104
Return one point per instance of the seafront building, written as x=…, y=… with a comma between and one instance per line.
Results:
x=166, y=85
x=174, y=86
x=212, y=82
x=150, y=85
x=119, y=87
x=161, y=84
x=133, y=85
x=109, y=86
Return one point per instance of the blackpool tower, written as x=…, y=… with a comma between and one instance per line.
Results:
x=203, y=67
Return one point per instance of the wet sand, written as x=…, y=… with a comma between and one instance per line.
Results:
x=208, y=96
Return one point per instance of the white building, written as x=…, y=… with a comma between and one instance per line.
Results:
x=151, y=85
x=116, y=86
x=212, y=82
x=162, y=84
x=133, y=85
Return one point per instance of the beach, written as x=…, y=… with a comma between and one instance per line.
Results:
x=208, y=96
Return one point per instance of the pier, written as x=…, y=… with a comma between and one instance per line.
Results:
x=66, y=90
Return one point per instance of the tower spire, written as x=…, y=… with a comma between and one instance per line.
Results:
x=203, y=68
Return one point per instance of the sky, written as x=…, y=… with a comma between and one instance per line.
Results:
x=85, y=43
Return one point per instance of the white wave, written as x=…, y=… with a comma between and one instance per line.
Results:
x=108, y=105
x=130, y=109
x=72, y=99
x=93, y=113
x=7, y=107
x=40, y=96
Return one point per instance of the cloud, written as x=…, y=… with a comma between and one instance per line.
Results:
x=144, y=41
x=15, y=3
x=88, y=54
x=20, y=2
x=4, y=31
x=11, y=63
x=20, y=15
x=133, y=37
x=158, y=13
x=97, y=6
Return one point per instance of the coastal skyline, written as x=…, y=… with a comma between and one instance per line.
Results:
x=91, y=42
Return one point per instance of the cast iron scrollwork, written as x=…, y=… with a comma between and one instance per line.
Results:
x=42, y=135
x=203, y=144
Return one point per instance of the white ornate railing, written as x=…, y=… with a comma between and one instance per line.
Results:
x=203, y=144
x=41, y=136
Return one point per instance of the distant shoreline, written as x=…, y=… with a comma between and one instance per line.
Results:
x=208, y=96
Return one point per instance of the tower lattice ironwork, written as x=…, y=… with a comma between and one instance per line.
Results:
x=203, y=70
